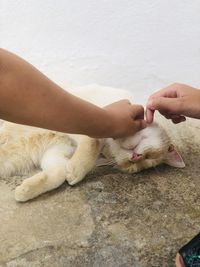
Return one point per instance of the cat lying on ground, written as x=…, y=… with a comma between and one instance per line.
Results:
x=70, y=157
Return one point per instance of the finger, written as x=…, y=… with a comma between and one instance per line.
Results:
x=149, y=115
x=179, y=261
x=166, y=105
x=139, y=125
x=169, y=91
x=178, y=120
x=137, y=112
x=183, y=118
x=173, y=116
x=178, y=117
x=170, y=116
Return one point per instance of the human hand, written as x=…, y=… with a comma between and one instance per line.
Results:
x=126, y=119
x=179, y=261
x=174, y=102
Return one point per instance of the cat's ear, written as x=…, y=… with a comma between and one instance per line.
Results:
x=173, y=158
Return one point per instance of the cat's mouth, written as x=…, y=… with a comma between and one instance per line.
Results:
x=136, y=157
x=133, y=155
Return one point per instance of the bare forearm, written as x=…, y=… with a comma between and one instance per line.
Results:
x=29, y=97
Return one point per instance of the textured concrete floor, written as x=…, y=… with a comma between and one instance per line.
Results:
x=110, y=219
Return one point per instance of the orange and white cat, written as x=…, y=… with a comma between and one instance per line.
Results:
x=70, y=157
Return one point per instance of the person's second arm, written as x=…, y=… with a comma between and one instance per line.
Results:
x=175, y=102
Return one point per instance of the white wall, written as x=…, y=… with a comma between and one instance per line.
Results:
x=135, y=44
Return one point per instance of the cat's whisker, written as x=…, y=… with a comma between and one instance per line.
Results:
x=105, y=162
x=59, y=157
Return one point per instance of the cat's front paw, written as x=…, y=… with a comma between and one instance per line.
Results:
x=74, y=174
x=22, y=193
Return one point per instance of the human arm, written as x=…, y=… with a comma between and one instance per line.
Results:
x=29, y=97
x=175, y=102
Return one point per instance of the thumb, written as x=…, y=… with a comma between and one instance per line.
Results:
x=139, y=125
x=164, y=104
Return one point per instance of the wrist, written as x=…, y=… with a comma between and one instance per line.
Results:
x=196, y=106
x=104, y=127
x=110, y=129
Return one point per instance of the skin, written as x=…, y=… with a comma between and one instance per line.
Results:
x=179, y=261
x=29, y=97
x=175, y=102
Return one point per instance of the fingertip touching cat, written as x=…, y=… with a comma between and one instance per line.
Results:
x=63, y=157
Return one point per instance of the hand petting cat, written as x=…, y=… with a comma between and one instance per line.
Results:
x=28, y=97
x=130, y=117
x=175, y=102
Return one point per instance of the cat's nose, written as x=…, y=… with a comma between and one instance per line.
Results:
x=136, y=157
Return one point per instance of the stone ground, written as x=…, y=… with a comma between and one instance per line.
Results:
x=109, y=219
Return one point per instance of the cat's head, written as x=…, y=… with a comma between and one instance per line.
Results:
x=147, y=148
